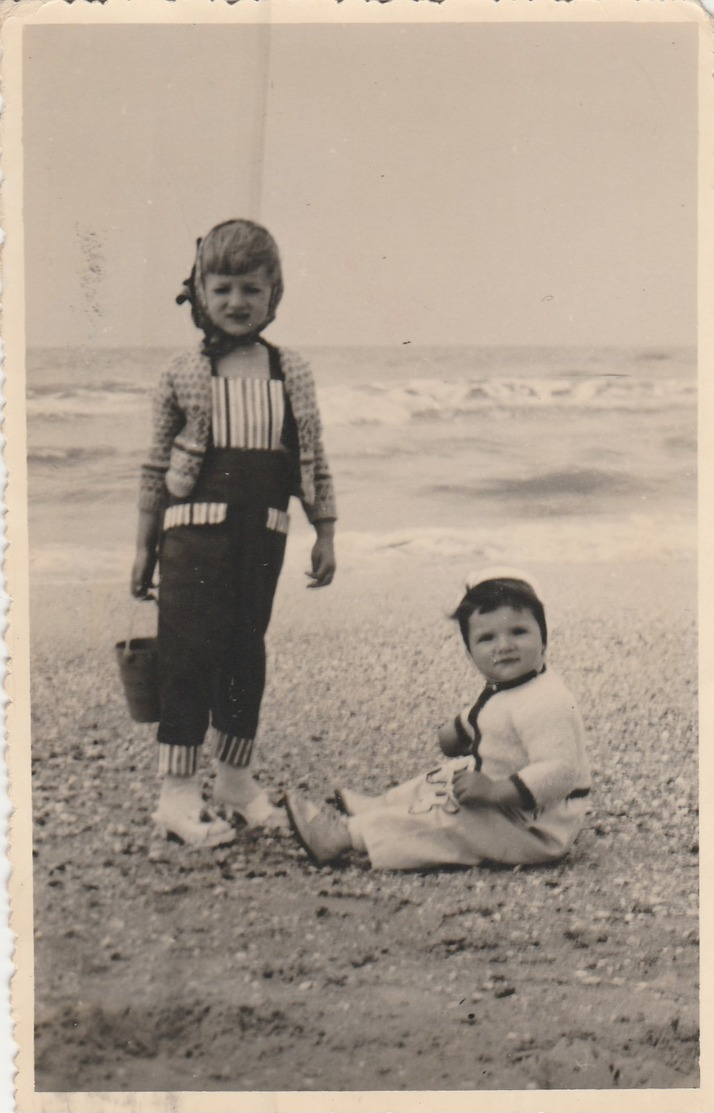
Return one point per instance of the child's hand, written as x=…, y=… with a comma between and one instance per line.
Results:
x=323, y=562
x=142, y=573
x=147, y=538
x=470, y=787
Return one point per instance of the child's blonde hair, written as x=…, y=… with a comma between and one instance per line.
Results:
x=233, y=247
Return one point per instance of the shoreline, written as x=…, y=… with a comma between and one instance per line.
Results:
x=382, y=552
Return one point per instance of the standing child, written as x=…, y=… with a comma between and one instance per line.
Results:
x=236, y=432
x=514, y=787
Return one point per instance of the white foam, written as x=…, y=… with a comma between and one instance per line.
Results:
x=84, y=403
x=399, y=403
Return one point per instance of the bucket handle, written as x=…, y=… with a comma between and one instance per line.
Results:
x=133, y=611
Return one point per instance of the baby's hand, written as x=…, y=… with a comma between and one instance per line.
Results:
x=451, y=743
x=470, y=787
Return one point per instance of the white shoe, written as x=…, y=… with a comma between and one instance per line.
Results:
x=259, y=812
x=182, y=814
x=206, y=829
x=236, y=792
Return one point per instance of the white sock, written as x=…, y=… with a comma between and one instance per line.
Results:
x=236, y=784
x=181, y=794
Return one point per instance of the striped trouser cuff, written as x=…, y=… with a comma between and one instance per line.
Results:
x=233, y=751
x=179, y=761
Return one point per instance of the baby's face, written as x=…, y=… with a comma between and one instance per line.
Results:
x=505, y=644
x=238, y=304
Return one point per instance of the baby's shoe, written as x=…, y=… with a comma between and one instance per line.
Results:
x=182, y=814
x=354, y=803
x=322, y=833
x=237, y=792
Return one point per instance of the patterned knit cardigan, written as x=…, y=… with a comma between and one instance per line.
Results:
x=182, y=431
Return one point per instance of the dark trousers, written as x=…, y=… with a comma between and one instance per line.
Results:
x=216, y=595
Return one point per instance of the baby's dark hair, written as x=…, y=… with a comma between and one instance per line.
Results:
x=491, y=594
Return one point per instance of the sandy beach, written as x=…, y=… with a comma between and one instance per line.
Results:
x=162, y=968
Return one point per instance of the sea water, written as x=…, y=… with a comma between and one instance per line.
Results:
x=525, y=454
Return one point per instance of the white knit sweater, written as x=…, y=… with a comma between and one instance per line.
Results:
x=536, y=733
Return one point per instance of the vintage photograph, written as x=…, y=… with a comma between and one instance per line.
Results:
x=360, y=357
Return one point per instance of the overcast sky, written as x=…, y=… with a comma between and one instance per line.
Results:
x=465, y=183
